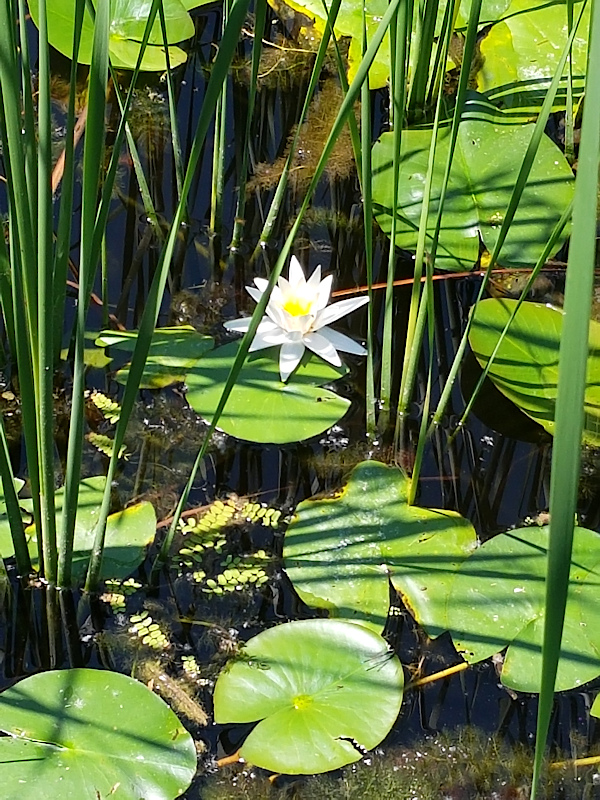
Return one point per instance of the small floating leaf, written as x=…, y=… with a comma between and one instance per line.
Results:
x=316, y=687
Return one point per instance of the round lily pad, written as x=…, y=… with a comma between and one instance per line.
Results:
x=322, y=691
x=498, y=597
x=525, y=368
x=341, y=553
x=82, y=733
x=261, y=408
x=488, y=146
x=520, y=54
x=127, y=25
x=172, y=352
x=128, y=532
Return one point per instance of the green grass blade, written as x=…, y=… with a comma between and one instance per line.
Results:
x=572, y=369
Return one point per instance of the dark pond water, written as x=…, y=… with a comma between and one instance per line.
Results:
x=496, y=473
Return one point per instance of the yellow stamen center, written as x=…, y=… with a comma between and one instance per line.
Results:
x=298, y=306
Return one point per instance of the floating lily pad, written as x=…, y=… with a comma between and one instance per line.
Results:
x=82, y=733
x=261, y=408
x=341, y=553
x=526, y=366
x=127, y=23
x=595, y=709
x=128, y=532
x=521, y=53
x=172, y=352
x=487, y=160
x=322, y=691
x=497, y=599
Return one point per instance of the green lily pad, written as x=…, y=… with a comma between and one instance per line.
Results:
x=521, y=53
x=497, y=599
x=83, y=733
x=526, y=366
x=128, y=532
x=127, y=24
x=487, y=160
x=322, y=691
x=341, y=553
x=595, y=709
x=349, y=23
x=172, y=352
x=261, y=408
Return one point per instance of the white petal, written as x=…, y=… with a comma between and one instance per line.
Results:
x=296, y=273
x=342, y=342
x=337, y=310
x=238, y=325
x=284, y=287
x=262, y=284
x=267, y=325
x=322, y=347
x=302, y=324
x=290, y=356
x=268, y=339
x=323, y=293
x=315, y=279
x=277, y=314
x=255, y=294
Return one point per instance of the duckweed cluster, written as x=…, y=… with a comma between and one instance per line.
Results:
x=110, y=410
x=117, y=592
x=204, y=532
x=148, y=631
x=209, y=533
x=239, y=573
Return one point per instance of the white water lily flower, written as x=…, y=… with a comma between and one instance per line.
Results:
x=298, y=316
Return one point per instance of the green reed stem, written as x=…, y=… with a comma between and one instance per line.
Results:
x=93, y=155
x=44, y=379
x=220, y=69
x=218, y=163
x=417, y=316
x=260, y=15
x=63, y=235
x=572, y=373
x=400, y=36
x=367, y=198
x=175, y=140
x=279, y=195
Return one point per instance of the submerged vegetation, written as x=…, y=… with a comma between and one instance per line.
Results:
x=310, y=550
